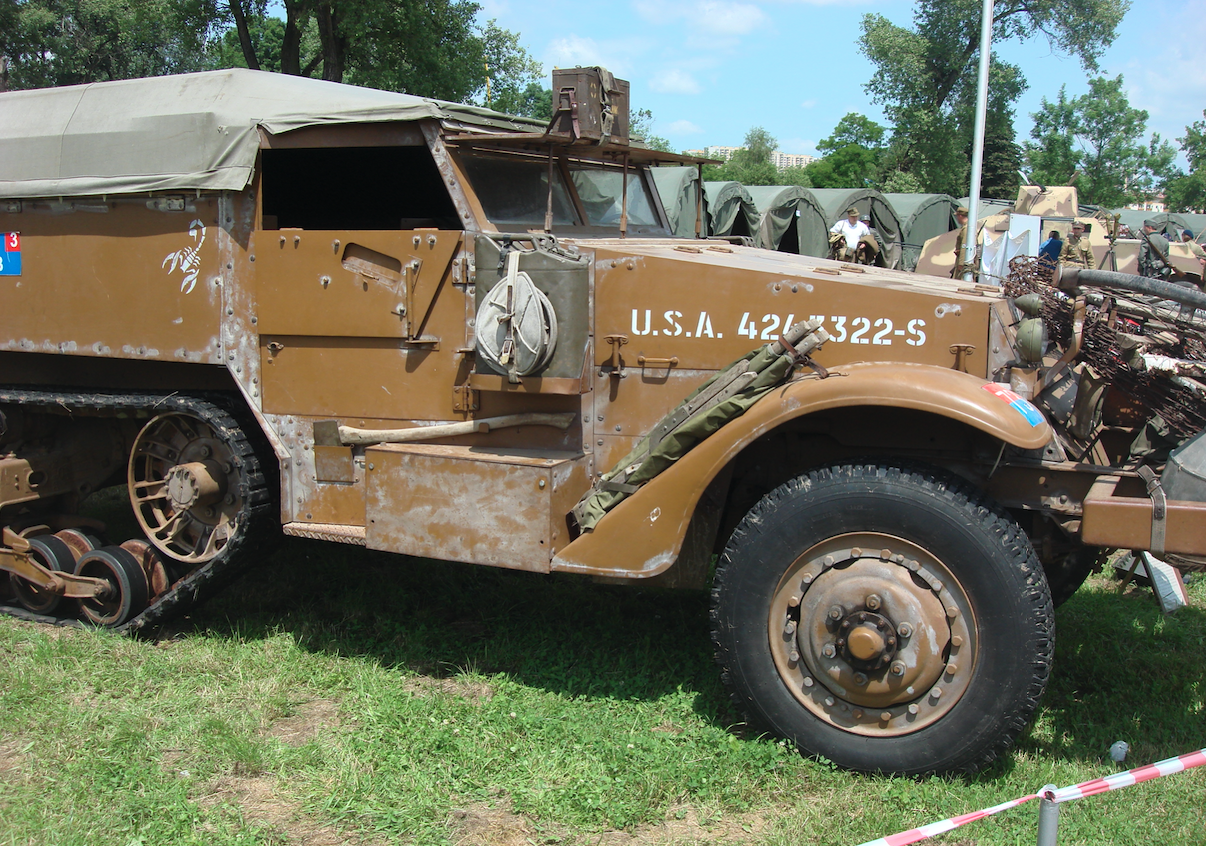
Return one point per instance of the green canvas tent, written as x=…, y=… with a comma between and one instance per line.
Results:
x=922, y=216
x=731, y=210
x=870, y=203
x=677, y=186
x=1167, y=223
x=791, y=220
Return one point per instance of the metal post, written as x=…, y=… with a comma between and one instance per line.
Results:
x=1048, y=825
x=973, y=200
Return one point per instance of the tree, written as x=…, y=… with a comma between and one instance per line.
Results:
x=925, y=76
x=64, y=42
x=1050, y=155
x=852, y=154
x=853, y=129
x=1187, y=192
x=750, y=165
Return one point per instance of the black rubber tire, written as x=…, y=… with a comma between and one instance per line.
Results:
x=52, y=554
x=125, y=575
x=980, y=545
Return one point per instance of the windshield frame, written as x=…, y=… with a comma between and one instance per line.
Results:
x=566, y=164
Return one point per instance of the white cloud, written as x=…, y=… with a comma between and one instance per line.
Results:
x=674, y=81
x=808, y=104
x=683, y=127
x=575, y=51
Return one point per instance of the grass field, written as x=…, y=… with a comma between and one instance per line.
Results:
x=341, y=696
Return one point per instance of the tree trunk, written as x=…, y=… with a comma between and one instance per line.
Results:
x=334, y=43
x=236, y=9
x=291, y=45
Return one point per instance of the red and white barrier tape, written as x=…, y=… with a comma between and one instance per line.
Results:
x=1169, y=766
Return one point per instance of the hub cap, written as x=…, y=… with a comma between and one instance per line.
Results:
x=872, y=634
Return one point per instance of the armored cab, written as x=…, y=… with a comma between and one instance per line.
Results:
x=262, y=303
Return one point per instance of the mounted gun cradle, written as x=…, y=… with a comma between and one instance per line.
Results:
x=439, y=331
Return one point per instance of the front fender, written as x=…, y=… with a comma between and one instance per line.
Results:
x=641, y=537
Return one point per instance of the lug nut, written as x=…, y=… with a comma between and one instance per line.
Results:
x=794, y=657
x=905, y=630
x=897, y=668
x=891, y=641
x=828, y=650
x=860, y=679
x=835, y=612
x=952, y=668
x=808, y=681
x=873, y=602
x=790, y=628
x=935, y=693
x=913, y=709
x=956, y=641
x=858, y=714
x=886, y=716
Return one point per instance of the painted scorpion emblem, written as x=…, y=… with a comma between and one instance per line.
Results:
x=188, y=259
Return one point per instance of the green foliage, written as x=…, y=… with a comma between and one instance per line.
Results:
x=852, y=154
x=1187, y=192
x=1050, y=154
x=901, y=182
x=853, y=129
x=432, y=48
x=640, y=125
x=534, y=101
x=926, y=76
x=751, y=165
x=1114, y=164
x=794, y=176
x=65, y=42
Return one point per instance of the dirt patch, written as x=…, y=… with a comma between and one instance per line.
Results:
x=12, y=757
x=261, y=802
x=471, y=691
x=483, y=825
x=306, y=721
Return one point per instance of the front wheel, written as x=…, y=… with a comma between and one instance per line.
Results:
x=887, y=618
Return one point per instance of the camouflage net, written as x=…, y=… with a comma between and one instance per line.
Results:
x=1119, y=327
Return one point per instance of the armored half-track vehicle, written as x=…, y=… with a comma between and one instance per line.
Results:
x=261, y=303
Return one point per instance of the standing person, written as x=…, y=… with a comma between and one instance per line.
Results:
x=851, y=230
x=1153, y=249
x=1051, y=248
x=1076, y=249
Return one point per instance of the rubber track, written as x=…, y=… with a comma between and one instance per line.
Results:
x=260, y=525
x=959, y=494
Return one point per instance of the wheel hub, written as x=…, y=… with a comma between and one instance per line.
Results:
x=867, y=634
x=198, y=483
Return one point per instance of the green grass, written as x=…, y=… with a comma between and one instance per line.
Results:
x=336, y=695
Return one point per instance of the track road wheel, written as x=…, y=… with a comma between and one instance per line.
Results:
x=126, y=578
x=52, y=554
x=188, y=481
x=887, y=618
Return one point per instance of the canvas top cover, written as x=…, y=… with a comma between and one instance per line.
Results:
x=198, y=131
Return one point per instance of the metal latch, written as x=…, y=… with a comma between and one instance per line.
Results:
x=616, y=364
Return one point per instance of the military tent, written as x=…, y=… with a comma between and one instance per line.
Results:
x=922, y=216
x=791, y=220
x=1167, y=223
x=870, y=203
x=731, y=210
x=677, y=188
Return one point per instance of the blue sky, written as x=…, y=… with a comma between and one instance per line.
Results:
x=709, y=70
